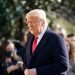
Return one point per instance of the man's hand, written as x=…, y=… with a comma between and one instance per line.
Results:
x=30, y=71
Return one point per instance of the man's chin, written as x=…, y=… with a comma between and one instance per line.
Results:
x=33, y=33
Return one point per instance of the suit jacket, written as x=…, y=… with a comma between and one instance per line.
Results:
x=50, y=56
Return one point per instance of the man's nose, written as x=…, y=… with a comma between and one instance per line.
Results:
x=29, y=25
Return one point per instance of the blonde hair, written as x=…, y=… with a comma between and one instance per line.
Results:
x=39, y=13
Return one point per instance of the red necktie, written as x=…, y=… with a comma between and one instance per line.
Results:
x=34, y=44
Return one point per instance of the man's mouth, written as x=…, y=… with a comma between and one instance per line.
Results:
x=30, y=28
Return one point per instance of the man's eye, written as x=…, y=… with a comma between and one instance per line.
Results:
x=30, y=22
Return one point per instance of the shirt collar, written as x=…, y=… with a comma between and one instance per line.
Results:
x=42, y=33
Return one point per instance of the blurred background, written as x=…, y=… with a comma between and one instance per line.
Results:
x=12, y=12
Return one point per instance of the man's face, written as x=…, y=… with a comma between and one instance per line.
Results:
x=35, y=25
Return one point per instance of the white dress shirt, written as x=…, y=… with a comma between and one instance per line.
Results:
x=41, y=35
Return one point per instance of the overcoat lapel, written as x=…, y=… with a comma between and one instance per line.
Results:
x=41, y=44
x=38, y=49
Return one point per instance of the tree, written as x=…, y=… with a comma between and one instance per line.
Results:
x=12, y=13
